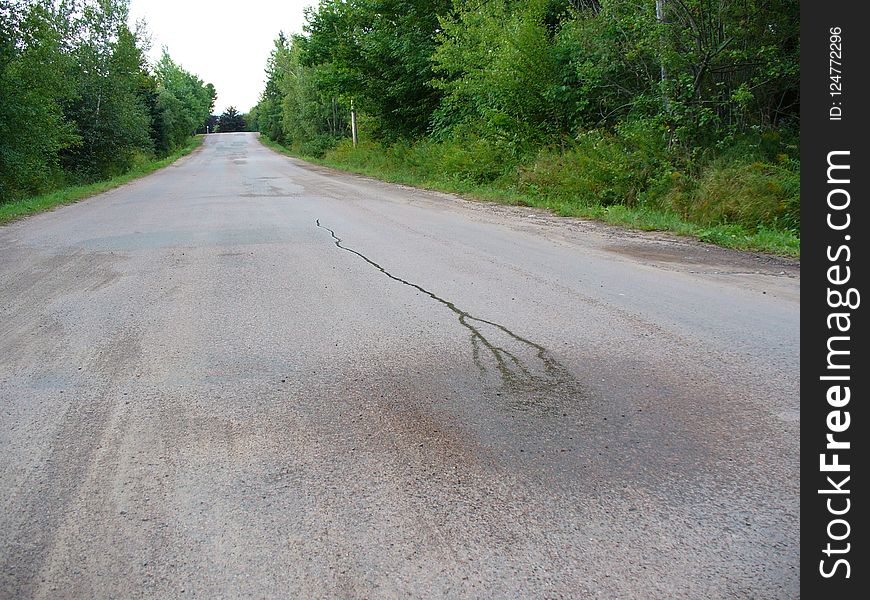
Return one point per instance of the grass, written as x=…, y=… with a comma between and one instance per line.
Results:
x=18, y=209
x=422, y=171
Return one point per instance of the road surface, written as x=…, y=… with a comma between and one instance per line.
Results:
x=248, y=377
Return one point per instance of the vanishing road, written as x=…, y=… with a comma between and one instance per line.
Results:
x=248, y=377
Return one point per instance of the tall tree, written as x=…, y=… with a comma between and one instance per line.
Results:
x=378, y=53
x=184, y=103
x=79, y=102
x=231, y=121
x=33, y=88
x=269, y=107
x=109, y=111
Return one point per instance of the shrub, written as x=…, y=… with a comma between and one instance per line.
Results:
x=599, y=169
x=473, y=160
x=318, y=146
x=751, y=194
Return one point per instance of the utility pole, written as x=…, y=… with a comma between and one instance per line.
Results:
x=353, y=123
x=660, y=17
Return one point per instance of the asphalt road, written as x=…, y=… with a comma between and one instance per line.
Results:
x=248, y=377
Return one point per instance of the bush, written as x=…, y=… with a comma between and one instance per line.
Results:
x=367, y=156
x=751, y=194
x=319, y=145
x=599, y=169
x=473, y=160
x=743, y=194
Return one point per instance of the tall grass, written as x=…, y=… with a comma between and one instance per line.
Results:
x=742, y=201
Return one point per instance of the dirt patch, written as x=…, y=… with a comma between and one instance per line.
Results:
x=711, y=258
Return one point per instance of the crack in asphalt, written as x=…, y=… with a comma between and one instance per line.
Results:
x=521, y=375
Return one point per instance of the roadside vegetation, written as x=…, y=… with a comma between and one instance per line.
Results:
x=82, y=110
x=679, y=115
x=16, y=209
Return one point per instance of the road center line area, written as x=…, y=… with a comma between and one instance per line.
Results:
x=201, y=396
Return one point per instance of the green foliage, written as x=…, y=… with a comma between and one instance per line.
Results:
x=542, y=69
x=142, y=165
x=379, y=53
x=732, y=65
x=183, y=104
x=318, y=145
x=470, y=160
x=750, y=194
x=502, y=70
x=79, y=100
x=33, y=88
x=538, y=72
x=110, y=115
x=231, y=121
x=252, y=119
x=421, y=164
x=268, y=110
x=601, y=168
x=296, y=108
x=683, y=118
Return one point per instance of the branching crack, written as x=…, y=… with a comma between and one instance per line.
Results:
x=513, y=370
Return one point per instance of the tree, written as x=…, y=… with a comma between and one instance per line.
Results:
x=184, y=103
x=210, y=125
x=505, y=73
x=79, y=101
x=269, y=107
x=378, y=52
x=33, y=87
x=231, y=121
x=109, y=111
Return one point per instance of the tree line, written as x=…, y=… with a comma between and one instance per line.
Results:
x=80, y=102
x=536, y=70
x=641, y=95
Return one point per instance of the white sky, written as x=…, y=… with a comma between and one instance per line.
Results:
x=224, y=43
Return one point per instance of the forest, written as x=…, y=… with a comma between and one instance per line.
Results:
x=664, y=114
x=80, y=102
